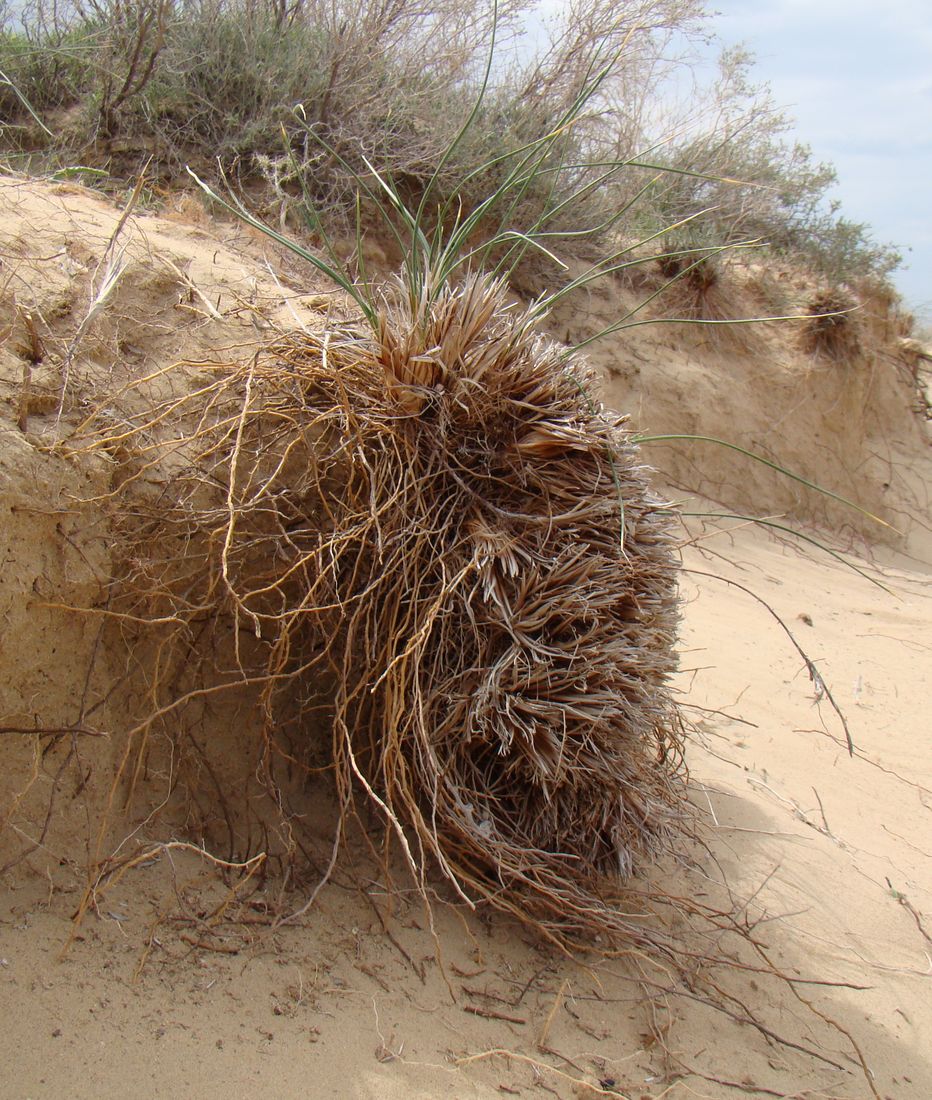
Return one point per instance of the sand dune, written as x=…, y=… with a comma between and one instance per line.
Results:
x=180, y=984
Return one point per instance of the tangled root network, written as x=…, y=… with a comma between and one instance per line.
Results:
x=441, y=519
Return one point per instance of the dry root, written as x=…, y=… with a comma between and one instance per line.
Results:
x=438, y=531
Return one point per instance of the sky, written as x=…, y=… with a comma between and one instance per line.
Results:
x=857, y=77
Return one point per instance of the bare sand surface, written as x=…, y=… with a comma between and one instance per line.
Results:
x=834, y=850
x=174, y=987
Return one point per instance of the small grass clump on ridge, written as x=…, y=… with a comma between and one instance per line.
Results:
x=832, y=329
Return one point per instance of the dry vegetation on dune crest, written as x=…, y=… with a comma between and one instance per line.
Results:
x=298, y=101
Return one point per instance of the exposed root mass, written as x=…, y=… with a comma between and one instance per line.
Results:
x=439, y=522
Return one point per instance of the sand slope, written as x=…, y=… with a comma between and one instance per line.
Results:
x=178, y=984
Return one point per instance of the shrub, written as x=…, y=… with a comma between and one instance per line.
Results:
x=755, y=184
x=302, y=99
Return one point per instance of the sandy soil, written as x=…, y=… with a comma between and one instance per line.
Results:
x=175, y=986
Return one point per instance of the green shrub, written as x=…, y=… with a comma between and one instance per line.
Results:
x=756, y=184
x=51, y=73
x=303, y=98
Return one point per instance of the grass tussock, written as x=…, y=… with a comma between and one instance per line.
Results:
x=436, y=520
x=711, y=295
x=832, y=331
x=698, y=289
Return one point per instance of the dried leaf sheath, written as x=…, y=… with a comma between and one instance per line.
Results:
x=427, y=524
x=501, y=663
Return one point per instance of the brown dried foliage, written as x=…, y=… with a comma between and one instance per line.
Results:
x=832, y=333
x=707, y=291
x=428, y=524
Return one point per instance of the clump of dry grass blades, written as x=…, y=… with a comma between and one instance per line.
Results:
x=832, y=331
x=434, y=519
x=705, y=292
x=696, y=290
